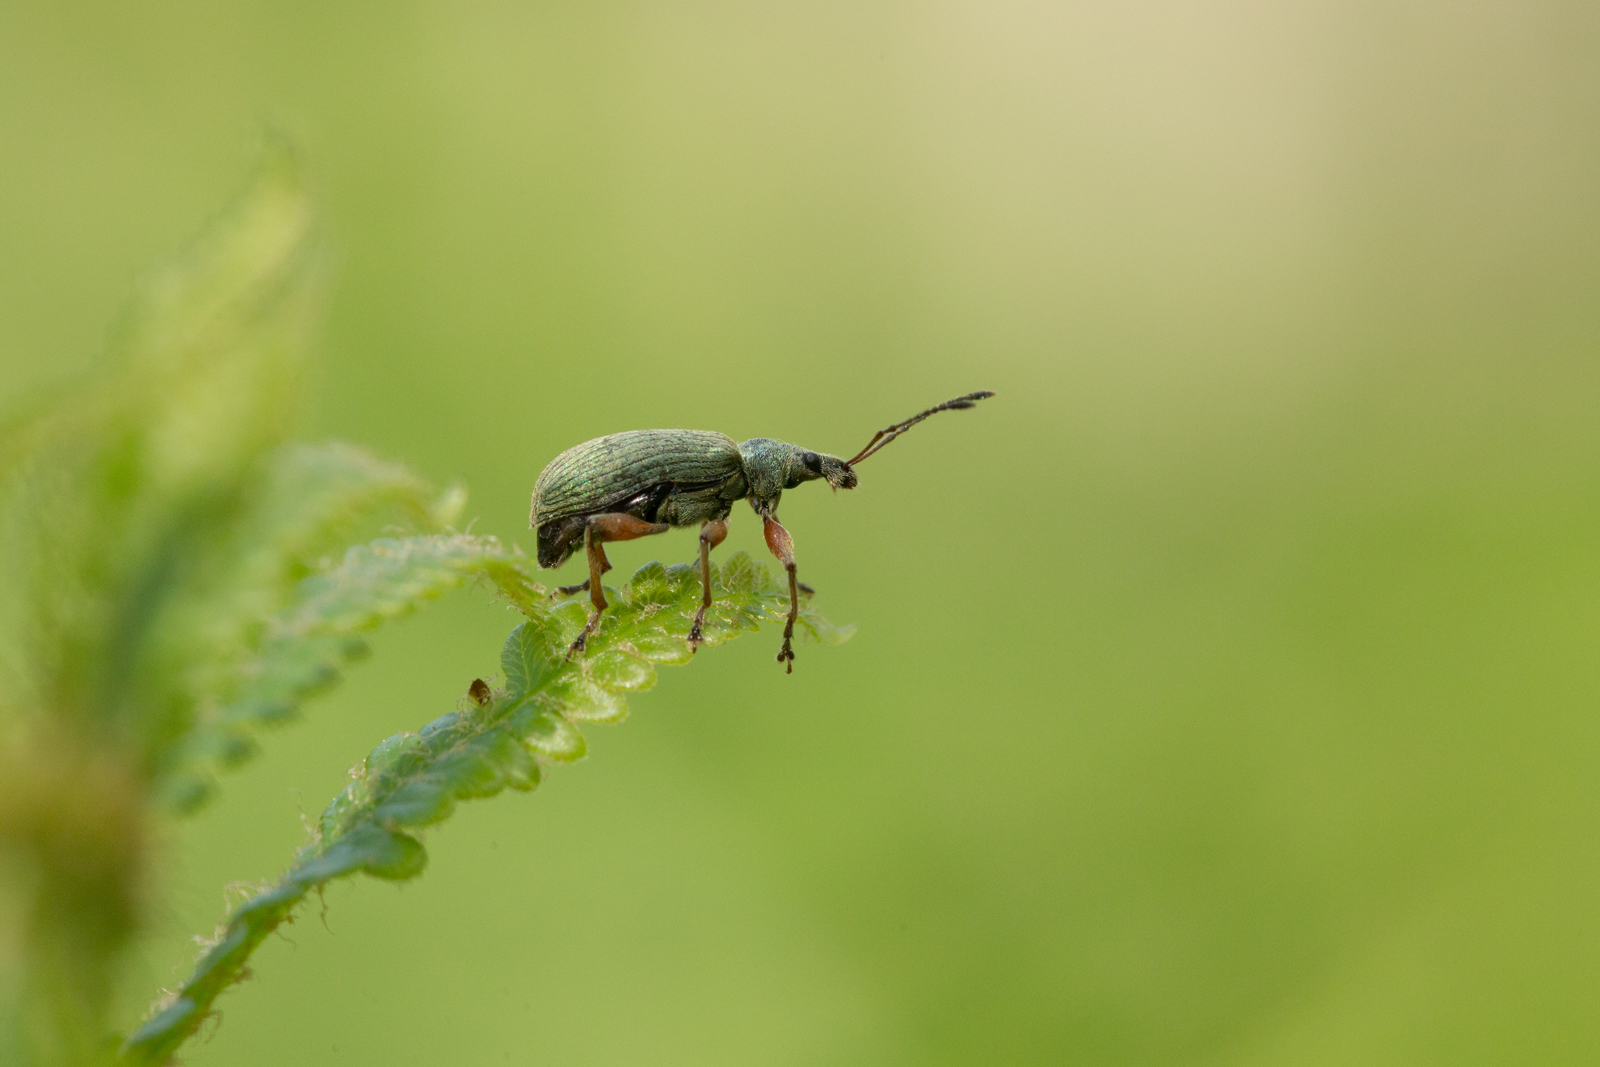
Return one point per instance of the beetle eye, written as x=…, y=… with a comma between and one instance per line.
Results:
x=813, y=462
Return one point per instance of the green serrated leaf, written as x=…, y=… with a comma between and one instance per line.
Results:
x=621, y=671
x=659, y=646
x=351, y=800
x=414, y=780
x=581, y=700
x=510, y=580
x=650, y=585
x=548, y=733
x=510, y=763
x=532, y=654
x=418, y=802
x=396, y=756
x=569, y=617
x=468, y=774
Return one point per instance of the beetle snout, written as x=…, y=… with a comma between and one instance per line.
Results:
x=840, y=474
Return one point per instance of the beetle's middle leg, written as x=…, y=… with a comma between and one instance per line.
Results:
x=609, y=526
x=712, y=534
x=782, y=546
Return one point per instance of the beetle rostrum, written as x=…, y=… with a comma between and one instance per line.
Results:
x=644, y=482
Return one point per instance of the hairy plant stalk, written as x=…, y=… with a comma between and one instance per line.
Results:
x=72, y=821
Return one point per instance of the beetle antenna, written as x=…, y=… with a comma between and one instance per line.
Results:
x=884, y=436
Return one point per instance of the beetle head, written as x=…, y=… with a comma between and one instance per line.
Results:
x=771, y=466
x=840, y=474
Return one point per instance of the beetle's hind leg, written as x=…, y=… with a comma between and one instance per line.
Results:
x=711, y=535
x=609, y=526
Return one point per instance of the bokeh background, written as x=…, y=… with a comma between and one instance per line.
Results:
x=1225, y=691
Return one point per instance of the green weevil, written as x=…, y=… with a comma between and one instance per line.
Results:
x=643, y=482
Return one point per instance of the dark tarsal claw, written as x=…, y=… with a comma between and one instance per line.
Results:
x=695, y=634
x=583, y=636
x=786, y=657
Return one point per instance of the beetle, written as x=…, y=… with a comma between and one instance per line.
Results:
x=643, y=482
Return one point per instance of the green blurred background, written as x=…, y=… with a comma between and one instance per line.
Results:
x=1225, y=691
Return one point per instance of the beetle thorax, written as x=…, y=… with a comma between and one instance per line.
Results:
x=771, y=466
x=767, y=466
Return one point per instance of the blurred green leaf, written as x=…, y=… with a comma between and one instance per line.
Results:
x=165, y=548
x=129, y=495
x=136, y=553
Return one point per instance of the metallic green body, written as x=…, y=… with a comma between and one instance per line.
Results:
x=606, y=471
x=677, y=477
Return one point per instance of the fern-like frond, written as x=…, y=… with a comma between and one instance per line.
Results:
x=414, y=780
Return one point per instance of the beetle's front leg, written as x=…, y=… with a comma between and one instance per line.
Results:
x=583, y=586
x=598, y=565
x=610, y=526
x=711, y=535
x=782, y=546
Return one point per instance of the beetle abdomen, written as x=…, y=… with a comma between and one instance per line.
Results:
x=684, y=475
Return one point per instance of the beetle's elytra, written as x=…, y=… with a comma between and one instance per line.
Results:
x=643, y=482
